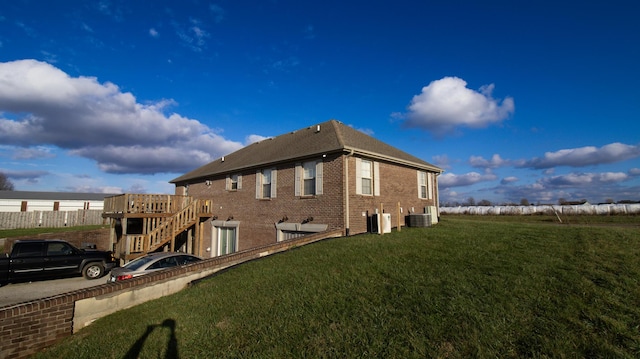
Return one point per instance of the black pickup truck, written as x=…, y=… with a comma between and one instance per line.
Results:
x=35, y=259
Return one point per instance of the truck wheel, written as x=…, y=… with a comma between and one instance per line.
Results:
x=93, y=271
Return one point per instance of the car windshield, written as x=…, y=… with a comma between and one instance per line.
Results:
x=137, y=263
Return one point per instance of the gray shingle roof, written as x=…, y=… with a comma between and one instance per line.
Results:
x=328, y=137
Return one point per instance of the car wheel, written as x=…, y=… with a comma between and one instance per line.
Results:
x=93, y=271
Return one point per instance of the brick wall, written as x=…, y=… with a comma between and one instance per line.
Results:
x=258, y=217
x=27, y=328
x=397, y=185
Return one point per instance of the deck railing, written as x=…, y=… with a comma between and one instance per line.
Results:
x=146, y=203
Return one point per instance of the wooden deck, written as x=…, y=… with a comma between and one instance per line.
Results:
x=162, y=219
x=131, y=205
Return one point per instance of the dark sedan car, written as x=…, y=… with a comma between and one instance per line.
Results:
x=150, y=263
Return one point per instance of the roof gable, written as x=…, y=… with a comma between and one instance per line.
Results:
x=328, y=137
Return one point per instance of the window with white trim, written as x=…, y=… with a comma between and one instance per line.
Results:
x=367, y=177
x=308, y=181
x=234, y=182
x=425, y=185
x=266, y=183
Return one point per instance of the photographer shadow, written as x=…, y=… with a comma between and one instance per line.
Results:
x=172, y=345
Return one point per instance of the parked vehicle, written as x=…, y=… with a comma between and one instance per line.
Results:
x=35, y=259
x=150, y=263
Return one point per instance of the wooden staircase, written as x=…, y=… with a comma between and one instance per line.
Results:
x=163, y=219
x=166, y=229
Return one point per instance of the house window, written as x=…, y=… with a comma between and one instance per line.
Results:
x=367, y=177
x=309, y=178
x=266, y=183
x=425, y=185
x=225, y=235
x=234, y=182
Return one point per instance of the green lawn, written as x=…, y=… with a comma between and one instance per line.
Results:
x=468, y=287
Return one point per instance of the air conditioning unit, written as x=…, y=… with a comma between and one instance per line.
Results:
x=419, y=220
x=379, y=223
x=433, y=211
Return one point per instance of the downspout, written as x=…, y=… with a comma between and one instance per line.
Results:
x=347, y=221
x=437, y=191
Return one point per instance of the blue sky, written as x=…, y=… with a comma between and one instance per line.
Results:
x=535, y=100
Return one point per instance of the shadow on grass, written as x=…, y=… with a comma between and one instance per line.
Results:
x=172, y=345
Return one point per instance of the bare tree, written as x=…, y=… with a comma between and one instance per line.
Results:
x=524, y=202
x=5, y=184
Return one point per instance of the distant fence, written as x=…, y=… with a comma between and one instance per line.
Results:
x=50, y=219
x=584, y=209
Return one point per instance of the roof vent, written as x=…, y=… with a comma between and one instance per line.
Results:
x=317, y=128
x=222, y=159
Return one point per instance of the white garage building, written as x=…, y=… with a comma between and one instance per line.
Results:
x=25, y=201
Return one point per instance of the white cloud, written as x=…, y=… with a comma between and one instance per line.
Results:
x=585, y=156
x=495, y=162
x=253, y=139
x=153, y=32
x=447, y=180
x=193, y=36
x=508, y=180
x=594, y=186
x=582, y=179
x=30, y=176
x=46, y=106
x=32, y=153
x=217, y=12
x=447, y=104
x=442, y=161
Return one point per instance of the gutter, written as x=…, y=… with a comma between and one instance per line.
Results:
x=394, y=159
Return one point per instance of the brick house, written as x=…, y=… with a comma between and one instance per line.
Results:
x=326, y=177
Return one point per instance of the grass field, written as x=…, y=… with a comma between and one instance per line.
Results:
x=468, y=287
